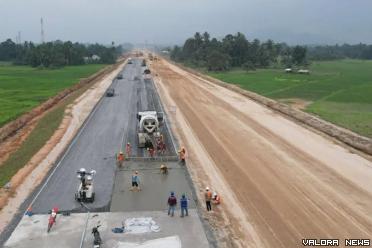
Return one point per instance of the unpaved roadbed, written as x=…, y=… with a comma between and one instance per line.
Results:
x=289, y=182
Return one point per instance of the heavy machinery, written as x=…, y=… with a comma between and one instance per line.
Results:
x=85, y=192
x=148, y=128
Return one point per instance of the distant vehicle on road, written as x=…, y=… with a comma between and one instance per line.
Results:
x=130, y=61
x=110, y=92
x=302, y=71
x=143, y=62
x=119, y=76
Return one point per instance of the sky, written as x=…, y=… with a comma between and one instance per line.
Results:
x=172, y=21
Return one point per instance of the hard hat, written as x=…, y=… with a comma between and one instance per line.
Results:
x=214, y=194
x=128, y=143
x=82, y=170
x=136, y=172
x=162, y=166
x=89, y=178
x=207, y=188
x=120, y=152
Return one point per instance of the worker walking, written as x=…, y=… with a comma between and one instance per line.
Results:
x=208, y=199
x=128, y=149
x=135, y=181
x=172, y=203
x=120, y=159
x=184, y=205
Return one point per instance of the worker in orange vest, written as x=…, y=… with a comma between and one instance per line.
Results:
x=120, y=159
x=182, y=154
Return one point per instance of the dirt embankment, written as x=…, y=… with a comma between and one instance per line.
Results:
x=279, y=181
x=348, y=137
x=26, y=179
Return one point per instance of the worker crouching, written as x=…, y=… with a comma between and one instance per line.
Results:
x=163, y=169
x=216, y=199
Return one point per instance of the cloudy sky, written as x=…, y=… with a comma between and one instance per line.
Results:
x=172, y=21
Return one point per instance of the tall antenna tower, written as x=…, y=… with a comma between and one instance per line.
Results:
x=42, y=30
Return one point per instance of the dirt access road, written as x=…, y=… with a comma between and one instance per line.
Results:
x=279, y=181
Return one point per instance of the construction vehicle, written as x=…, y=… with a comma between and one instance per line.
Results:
x=119, y=76
x=148, y=128
x=85, y=192
x=151, y=57
x=110, y=92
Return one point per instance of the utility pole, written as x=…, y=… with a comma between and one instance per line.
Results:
x=42, y=30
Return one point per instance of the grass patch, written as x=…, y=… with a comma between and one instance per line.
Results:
x=22, y=88
x=341, y=91
x=37, y=138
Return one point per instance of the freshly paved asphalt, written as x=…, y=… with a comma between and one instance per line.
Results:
x=107, y=131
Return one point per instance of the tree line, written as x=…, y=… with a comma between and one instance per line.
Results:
x=236, y=51
x=334, y=52
x=56, y=53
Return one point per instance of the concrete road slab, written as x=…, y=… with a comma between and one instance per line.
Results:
x=155, y=187
x=109, y=128
x=31, y=232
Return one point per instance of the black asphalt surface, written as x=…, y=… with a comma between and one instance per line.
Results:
x=107, y=131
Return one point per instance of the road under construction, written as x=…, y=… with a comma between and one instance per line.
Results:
x=280, y=181
x=112, y=124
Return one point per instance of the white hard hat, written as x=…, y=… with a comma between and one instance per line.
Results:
x=214, y=194
x=207, y=188
x=89, y=178
x=82, y=170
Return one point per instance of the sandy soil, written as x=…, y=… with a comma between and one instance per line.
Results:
x=279, y=181
x=37, y=168
x=296, y=103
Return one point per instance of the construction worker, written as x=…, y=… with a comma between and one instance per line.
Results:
x=172, y=203
x=120, y=159
x=208, y=199
x=128, y=149
x=184, y=205
x=216, y=199
x=182, y=154
x=135, y=181
x=163, y=169
x=151, y=152
x=29, y=211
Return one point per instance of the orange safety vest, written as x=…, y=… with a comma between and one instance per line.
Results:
x=208, y=196
x=121, y=157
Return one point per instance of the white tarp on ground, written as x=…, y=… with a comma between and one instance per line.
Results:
x=141, y=225
x=168, y=242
